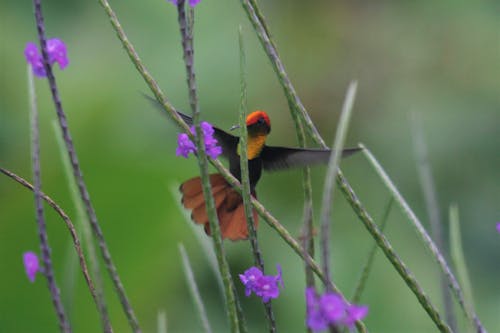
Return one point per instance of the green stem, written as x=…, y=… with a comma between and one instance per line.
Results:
x=360, y=286
x=299, y=116
x=245, y=179
x=141, y=68
x=457, y=256
x=69, y=225
x=307, y=228
x=391, y=255
x=188, y=50
x=452, y=281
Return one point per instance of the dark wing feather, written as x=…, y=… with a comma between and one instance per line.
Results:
x=227, y=141
x=276, y=158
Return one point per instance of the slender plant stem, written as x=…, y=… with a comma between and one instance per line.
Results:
x=141, y=68
x=333, y=167
x=299, y=115
x=245, y=179
x=193, y=287
x=84, y=225
x=391, y=255
x=308, y=226
x=360, y=286
x=298, y=109
x=452, y=281
x=457, y=256
x=188, y=50
x=433, y=212
x=71, y=229
x=64, y=324
x=307, y=233
x=77, y=173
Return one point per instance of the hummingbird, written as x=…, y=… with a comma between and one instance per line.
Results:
x=261, y=157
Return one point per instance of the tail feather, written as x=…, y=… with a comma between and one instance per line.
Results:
x=228, y=202
x=193, y=186
x=234, y=228
x=192, y=202
x=199, y=214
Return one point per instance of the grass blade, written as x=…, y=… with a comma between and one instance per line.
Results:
x=458, y=257
x=193, y=288
x=333, y=166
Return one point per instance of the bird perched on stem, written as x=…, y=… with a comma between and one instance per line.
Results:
x=228, y=202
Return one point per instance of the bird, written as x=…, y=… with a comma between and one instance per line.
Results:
x=261, y=157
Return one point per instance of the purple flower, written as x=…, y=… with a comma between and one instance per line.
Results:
x=35, y=59
x=354, y=313
x=186, y=146
x=331, y=309
x=332, y=306
x=498, y=226
x=192, y=3
x=249, y=279
x=56, y=50
x=210, y=142
x=264, y=286
x=315, y=319
x=31, y=265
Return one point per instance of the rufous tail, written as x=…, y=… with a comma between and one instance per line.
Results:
x=228, y=202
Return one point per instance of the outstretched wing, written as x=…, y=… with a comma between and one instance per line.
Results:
x=277, y=158
x=227, y=141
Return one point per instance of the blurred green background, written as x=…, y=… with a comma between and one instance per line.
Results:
x=440, y=60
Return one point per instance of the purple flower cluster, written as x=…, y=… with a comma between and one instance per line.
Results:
x=264, y=286
x=185, y=146
x=498, y=226
x=56, y=50
x=31, y=265
x=192, y=3
x=331, y=309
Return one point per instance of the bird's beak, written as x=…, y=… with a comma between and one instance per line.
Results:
x=234, y=127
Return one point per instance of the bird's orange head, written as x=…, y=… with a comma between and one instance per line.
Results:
x=258, y=123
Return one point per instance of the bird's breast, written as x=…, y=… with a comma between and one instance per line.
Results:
x=255, y=145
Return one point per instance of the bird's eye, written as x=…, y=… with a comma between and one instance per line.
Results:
x=261, y=121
